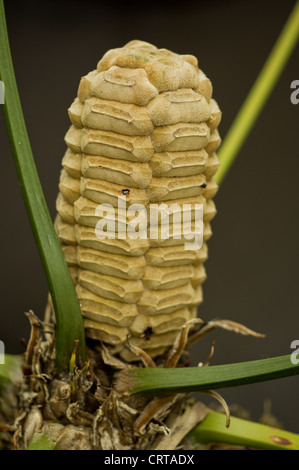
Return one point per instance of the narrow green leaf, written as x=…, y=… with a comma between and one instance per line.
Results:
x=242, y=432
x=68, y=315
x=192, y=379
x=41, y=441
x=259, y=94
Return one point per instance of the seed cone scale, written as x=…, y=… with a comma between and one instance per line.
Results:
x=144, y=129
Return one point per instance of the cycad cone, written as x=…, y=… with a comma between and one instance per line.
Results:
x=144, y=128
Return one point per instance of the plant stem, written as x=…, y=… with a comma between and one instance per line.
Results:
x=69, y=321
x=194, y=379
x=242, y=432
x=259, y=94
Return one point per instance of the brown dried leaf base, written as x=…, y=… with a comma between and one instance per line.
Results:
x=86, y=409
x=90, y=408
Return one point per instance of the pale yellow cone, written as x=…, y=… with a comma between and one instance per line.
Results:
x=144, y=128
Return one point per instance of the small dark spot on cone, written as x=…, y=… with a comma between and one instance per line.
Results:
x=125, y=191
x=147, y=333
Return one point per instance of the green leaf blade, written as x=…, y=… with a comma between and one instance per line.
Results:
x=68, y=314
x=243, y=433
x=258, y=95
x=192, y=379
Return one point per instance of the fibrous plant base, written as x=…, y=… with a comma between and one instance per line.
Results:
x=89, y=408
x=144, y=129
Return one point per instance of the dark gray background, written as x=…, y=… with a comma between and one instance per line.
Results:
x=253, y=255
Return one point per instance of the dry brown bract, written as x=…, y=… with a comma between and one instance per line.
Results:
x=90, y=407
